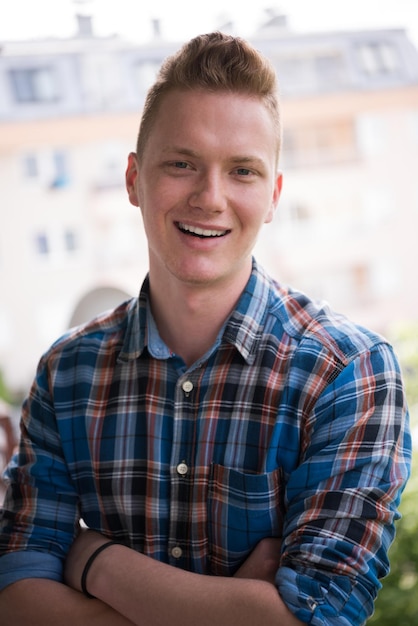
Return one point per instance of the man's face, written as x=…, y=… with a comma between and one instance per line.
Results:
x=206, y=183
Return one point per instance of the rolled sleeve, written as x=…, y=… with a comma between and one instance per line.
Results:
x=343, y=498
x=331, y=602
x=16, y=566
x=40, y=510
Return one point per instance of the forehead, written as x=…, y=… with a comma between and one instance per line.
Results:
x=210, y=114
x=194, y=99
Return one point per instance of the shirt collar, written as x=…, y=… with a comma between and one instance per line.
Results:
x=246, y=323
x=156, y=346
x=136, y=327
x=243, y=328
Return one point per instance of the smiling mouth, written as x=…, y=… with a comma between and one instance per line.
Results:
x=203, y=233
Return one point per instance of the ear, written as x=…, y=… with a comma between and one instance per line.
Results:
x=131, y=177
x=275, y=198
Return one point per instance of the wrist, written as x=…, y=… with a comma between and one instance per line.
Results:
x=88, y=571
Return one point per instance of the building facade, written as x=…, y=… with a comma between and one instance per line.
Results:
x=71, y=245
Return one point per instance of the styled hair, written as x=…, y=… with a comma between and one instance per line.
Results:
x=213, y=62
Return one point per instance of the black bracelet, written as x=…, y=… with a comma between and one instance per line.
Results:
x=90, y=563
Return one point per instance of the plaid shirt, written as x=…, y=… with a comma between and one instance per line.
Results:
x=294, y=425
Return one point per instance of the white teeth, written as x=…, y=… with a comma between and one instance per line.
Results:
x=202, y=232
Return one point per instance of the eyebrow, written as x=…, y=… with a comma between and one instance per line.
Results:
x=235, y=159
x=247, y=159
x=179, y=150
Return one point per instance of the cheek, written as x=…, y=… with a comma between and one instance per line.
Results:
x=159, y=193
x=258, y=210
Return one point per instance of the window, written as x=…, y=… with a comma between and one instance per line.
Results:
x=42, y=244
x=70, y=241
x=36, y=84
x=60, y=169
x=378, y=58
x=111, y=164
x=30, y=166
x=46, y=167
x=332, y=142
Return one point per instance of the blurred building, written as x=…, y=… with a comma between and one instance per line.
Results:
x=70, y=243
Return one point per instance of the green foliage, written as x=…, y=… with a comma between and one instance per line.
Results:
x=397, y=602
x=406, y=345
x=4, y=391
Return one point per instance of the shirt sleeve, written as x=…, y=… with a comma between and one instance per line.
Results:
x=15, y=566
x=343, y=498
x=40, y=510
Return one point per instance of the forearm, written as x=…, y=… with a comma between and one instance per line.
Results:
x=41, y=602
x=151, y=593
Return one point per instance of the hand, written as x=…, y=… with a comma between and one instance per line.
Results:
x=83, y=547
x=263, y=562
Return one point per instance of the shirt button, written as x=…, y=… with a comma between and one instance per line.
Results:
x=182, y=468
x=176, y=552
x=187, y=386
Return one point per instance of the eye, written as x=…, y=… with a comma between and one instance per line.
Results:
x=182, y=165
x=243, y=171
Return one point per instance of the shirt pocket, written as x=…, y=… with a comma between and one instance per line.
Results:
x=242, y=510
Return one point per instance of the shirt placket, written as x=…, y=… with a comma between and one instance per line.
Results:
x=181, y=470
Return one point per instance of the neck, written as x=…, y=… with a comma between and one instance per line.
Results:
x=189, y=318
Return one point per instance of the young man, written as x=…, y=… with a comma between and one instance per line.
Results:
x=236, y=450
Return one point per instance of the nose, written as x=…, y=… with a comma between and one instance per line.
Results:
x=209, y=193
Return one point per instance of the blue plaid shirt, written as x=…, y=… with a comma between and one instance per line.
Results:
x=293, y=425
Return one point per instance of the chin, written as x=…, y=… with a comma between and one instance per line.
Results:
x=198, y=280
x=197, y=277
